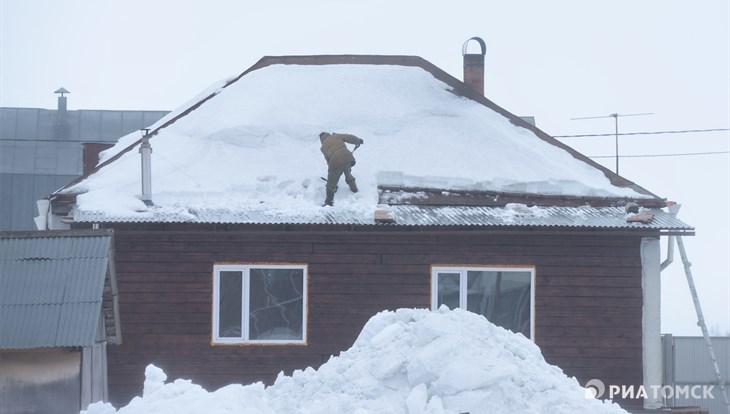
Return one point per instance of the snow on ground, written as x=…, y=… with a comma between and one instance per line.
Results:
x=255, y=147
x=411, y=361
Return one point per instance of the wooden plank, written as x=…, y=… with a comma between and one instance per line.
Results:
x=565, y=239
x=420, y=279
x=541, y=301
x=585, y=341
x=596, y=363
x=544, y=321
x=154, y=307
x=372, y=289
x=589, y=271
x=218, y=247
x=588, y=352
x=601, y=332
x=473, y=248
x=544, y=281
x=167, y=297
x=586, y=291
x=167, y=318
x=590, y=311
x=173, y=287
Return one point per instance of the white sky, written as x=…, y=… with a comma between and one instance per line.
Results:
x=553, y=60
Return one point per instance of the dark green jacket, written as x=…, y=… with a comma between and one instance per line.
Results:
x=335, y=151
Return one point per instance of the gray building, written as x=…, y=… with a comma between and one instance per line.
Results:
x=42, y=150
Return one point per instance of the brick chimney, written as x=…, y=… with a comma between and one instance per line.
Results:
x=91, y=151
x=474, y=65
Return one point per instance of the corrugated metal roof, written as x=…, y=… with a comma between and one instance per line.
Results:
x=522, y=216
x=51, y=287
x=412, y=215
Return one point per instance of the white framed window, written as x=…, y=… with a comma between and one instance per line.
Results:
x=503, y=295
x=260, y=304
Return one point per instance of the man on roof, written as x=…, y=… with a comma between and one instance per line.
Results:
x=339, y=161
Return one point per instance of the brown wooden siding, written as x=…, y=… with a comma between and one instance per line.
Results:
x=588, y=297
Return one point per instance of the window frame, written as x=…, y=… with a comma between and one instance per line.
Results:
x=245, y=269
x=462, y=271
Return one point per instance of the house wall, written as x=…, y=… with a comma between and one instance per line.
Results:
x=588, y=298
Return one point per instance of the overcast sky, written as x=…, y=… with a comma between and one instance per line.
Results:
x=554, y=60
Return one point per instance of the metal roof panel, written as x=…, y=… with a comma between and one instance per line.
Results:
x=512, y=215
x=51, y=288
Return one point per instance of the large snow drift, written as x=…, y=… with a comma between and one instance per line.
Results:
x=255, y=147
x=410, y=361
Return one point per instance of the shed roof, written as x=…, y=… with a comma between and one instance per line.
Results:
x=52, y=285
x=250, y=145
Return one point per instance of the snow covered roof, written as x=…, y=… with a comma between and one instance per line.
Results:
x=248, y=147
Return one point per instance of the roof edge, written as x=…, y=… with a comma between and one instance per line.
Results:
x=55, y=233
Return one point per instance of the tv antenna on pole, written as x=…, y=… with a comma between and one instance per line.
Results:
x=615, y=116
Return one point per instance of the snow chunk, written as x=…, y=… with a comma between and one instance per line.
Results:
x=154, y=379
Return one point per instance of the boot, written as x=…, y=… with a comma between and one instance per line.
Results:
x=330, y=199
x=353, y=186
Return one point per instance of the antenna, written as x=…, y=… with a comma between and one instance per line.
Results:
x=615, y=117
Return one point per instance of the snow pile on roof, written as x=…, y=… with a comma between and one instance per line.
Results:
x=411, y=361
x=254, y=147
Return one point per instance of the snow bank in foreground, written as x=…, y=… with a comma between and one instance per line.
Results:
x=411, y=361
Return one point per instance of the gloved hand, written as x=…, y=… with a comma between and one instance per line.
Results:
x=361, y=141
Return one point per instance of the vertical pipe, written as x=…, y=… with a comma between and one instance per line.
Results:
x=651, y=320
x=146, y=150
x=615, y=119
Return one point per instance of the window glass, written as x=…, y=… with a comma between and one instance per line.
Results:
x=276, y=304
x=448, y=290
x=503, y=297
x=229, y=306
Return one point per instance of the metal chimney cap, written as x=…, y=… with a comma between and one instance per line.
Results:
x=61, y=91
x=481, y=44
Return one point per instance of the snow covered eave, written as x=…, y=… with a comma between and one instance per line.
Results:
x=446, y=197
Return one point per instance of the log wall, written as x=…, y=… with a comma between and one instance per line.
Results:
x=587, y=310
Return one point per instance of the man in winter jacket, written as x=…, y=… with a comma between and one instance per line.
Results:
x=339, y=161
